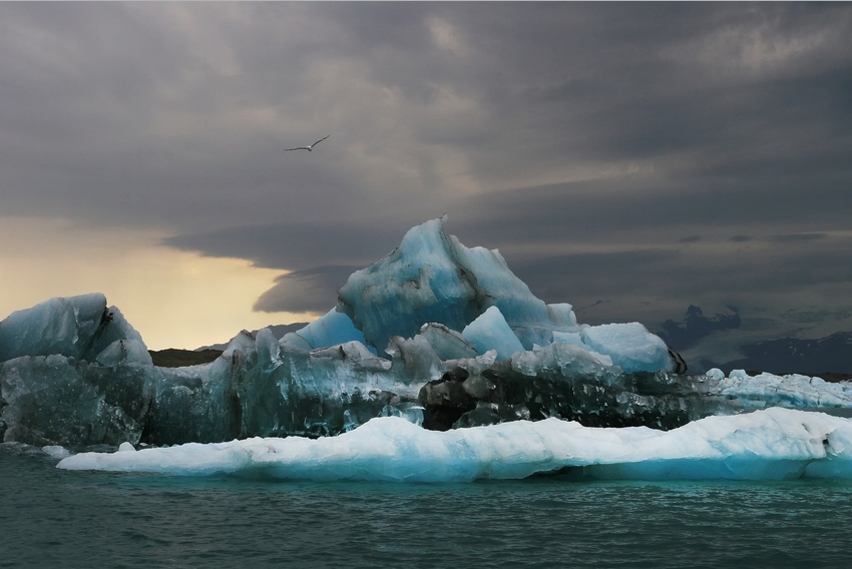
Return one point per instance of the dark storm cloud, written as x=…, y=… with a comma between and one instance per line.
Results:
x=674, y=278
x=647, y=206
x=793, y=237
x=608, y=150
x=583, y=277
x=312, y=290
x=297, y=246
x=176, y=116
x=650, y=81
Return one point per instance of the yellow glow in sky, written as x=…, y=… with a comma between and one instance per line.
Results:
x=174, y=299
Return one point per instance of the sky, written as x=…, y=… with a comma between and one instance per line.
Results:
x=630, y=159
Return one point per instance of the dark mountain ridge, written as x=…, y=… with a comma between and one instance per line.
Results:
x=792, y=355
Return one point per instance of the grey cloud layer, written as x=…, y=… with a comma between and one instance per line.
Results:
x=656, y=154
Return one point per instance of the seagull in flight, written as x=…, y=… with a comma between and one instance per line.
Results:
x=309, y=148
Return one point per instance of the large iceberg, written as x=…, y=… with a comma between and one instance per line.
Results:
x=442, y=336
x=432, y=278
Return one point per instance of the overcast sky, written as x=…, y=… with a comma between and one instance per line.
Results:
x=631, y=159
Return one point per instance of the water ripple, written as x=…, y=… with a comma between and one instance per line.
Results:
x=82, y=519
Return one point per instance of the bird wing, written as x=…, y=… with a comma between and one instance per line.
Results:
x=298, y=148
x=320, y=140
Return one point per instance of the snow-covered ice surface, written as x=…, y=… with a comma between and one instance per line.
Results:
x=773, y=444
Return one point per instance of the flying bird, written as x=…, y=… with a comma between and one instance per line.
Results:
x=310, y=147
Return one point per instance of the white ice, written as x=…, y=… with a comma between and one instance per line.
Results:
x=331, y=329
x=771, y=444
x=490, y=331
x=56, y=451
x=631, y=346
x=791, y=391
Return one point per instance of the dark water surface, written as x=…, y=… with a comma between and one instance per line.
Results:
x=55, y=518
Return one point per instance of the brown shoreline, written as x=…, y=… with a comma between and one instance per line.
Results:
x=173, y=357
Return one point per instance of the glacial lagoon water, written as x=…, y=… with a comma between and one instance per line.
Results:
x=58, y=518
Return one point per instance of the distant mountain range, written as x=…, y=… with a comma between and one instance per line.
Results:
x=808, y=357
x=695, y=326
x=822, y=356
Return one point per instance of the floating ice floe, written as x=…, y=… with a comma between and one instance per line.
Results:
x=773, y=444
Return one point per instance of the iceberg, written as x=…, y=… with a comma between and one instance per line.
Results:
x=435, y=334
x=631, y=346
x=774, y=444
x=331, y=329
x=432, y=277
x=790, y=391
x=79, y=327
x=490, y=331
